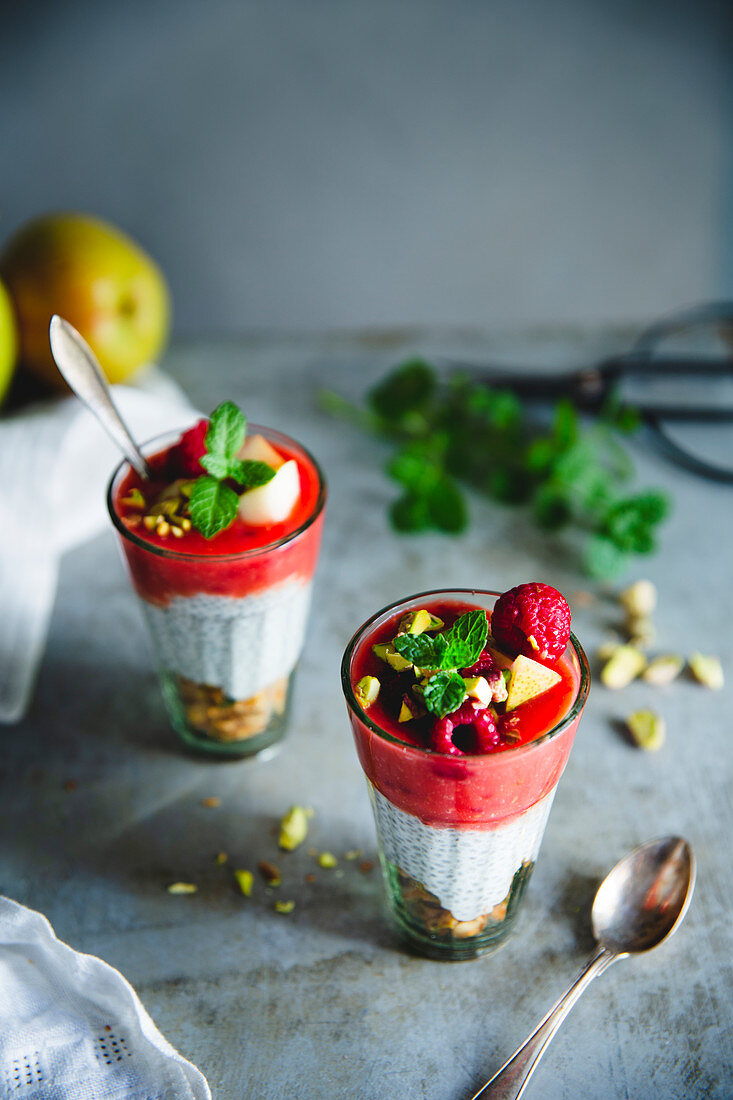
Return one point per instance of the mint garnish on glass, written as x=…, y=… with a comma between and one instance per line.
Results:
x=213, y=503
x=458, y=647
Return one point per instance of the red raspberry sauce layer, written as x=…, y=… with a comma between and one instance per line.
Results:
x=471, y=790
x=238, y=561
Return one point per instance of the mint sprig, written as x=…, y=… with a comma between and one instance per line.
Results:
x=444, y=693
x=458, y=647
x=213, y=504
x=453, y=434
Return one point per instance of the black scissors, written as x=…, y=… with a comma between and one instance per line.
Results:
x=665, y=386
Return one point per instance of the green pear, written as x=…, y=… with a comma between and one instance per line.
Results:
x=97, y=278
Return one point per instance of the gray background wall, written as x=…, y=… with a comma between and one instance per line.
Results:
x=315, y=162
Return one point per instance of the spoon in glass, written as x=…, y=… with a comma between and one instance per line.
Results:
x=638, y=905
x=78, y=365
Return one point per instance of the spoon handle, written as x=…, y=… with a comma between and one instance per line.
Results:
x=509, y=1082
x=78, y=364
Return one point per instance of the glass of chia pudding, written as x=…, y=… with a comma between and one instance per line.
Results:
x=464, y=705
x=221, y=546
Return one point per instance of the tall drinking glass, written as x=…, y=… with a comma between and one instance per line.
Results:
x=227, y=629
x=458, y=836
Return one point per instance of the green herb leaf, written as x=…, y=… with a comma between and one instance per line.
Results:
x=218, y=465
x=444, y=693
x=466, y=639
x=410, y=513
x=405, y=390
x=227, y=429
x=423, y=650
x=213, y=506
x=603, y=559
x=250, y=474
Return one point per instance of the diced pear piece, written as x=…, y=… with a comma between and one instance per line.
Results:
x=478, y=687
x=623, y=666
x=528, y=679
x=387, y=652
x=367, y=691
x=273, y=502
x=256, y=449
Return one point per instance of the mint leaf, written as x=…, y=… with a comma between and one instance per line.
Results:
x=424, y=650
x=213, y=506
x=466, y=639
x=227, y=429
x=218, y=465
x=603, y=559
x=444, y=693
x=250, y=474
x=407, y=389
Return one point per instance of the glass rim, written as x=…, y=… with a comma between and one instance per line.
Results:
x=164, y=552
x=353, y=704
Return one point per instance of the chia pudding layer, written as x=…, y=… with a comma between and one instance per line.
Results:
x=469, y=871
x=241, y=644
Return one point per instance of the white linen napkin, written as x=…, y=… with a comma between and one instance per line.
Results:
x=55, y=462
x=72, y=1028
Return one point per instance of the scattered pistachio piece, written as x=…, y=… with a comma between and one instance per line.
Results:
x=639, y=599
x=623, y=666
x=387, y=652
x=327, y=860
x=367, y=691
x=354, y=853
x=245, y=882
x=647, y=728
x=284, y=906
x=150, y=522
x=410, y=709
x=436, y=623
x=221, y=858
x=182, y=888
x=134, y=499
x=707, y=670
x=270, y=873
x=641, y=631
x=293, y=828
x=663, y=669
x=415, y=622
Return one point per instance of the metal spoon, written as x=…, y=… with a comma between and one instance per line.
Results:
x=638, y=905
x=78, y=364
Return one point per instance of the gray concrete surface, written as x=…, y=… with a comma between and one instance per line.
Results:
x=341, y=162
x=101, y=809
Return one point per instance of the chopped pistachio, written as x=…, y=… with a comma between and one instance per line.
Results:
x=409, y=709
x=647, y=728
x=415, y=622
x=293, y=828
x=387, y=652
x=353, y=853
x=663, y=669
x=245, y=882
x=641, y=631
x=284, y=906
x=708, y=670
x=327, y=860
x=436, y=623
x=477, y=687
x=134, y=499
x=182, y=888
x=221, y=858
x=639, y=599
x=164, y=529
x=623, y=666
x=150, y=522
x=367, y=691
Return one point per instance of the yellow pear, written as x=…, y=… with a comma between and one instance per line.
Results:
x=528, y=679
x=8, y=341
x=94, y=276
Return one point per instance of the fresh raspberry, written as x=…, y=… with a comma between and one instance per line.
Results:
x=485, y=664
x=533, y=619
x=480, y=723
x=185, y=457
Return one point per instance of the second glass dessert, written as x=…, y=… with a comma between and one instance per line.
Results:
x=227, y=614
x=461, y=792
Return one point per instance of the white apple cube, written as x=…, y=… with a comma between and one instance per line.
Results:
x=273, y=502
x=256, y=449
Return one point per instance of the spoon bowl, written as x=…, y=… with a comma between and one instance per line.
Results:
x=644, y=897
